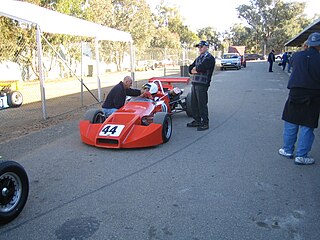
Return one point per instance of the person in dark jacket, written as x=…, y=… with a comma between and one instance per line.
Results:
x=301, y=110
x=271, y=60
x=117, y=95
x=284, y=60
x=201, y=70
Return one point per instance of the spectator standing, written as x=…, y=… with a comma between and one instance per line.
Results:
x=301, y=110
x=201, y=70
x=271, y=60
x=289, y=62
x=284, y=60
x=117, y=95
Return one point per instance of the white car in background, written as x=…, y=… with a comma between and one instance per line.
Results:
x=230, y=60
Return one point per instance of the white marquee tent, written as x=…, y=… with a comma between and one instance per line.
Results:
x=50, y=21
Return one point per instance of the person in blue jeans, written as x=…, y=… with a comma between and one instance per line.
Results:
x=301, y=110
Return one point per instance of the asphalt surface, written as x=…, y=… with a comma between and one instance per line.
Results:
x=224, y=183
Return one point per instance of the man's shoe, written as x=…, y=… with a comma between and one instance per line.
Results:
x=283, y=153
x=193, y=124
x=304, y=160
x=203, y=127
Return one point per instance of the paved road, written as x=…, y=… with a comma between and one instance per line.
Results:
x=224, y=183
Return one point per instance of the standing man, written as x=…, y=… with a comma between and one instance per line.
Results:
x=284, y=60
x=301, y=110
x=201, y=70
x=117, y=96
x=271, y=60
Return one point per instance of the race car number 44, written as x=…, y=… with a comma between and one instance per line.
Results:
x=111, y=130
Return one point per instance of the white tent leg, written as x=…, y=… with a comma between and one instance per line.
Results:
x=132, y=61
x=41, y=76
x=98, y=71
x=81, y=77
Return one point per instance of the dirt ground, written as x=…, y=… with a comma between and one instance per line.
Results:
x=19, y=123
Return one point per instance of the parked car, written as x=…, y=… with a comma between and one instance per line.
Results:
x=230, y=60
x=253, y=56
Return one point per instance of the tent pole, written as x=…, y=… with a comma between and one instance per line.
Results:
x=98, y=71
x=132, y=60
x=41, y=76
x=81, y=87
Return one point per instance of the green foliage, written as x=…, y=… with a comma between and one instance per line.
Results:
x=269, y=22
x=273, y=21
x=210, y=35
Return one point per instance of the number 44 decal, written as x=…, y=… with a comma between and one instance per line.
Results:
x=111, y=130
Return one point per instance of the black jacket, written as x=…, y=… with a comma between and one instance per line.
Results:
x=117, y=96
x=204, y=65
x=271, y=57
x=303, y=104
x=306, y=69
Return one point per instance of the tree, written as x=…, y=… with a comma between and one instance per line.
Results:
x=240, y=35
x=134, y=17
x=275, y=21
x=211, y=36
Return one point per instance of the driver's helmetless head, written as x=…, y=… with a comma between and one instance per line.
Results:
x=127, y=82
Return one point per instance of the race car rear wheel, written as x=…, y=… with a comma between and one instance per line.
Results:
x=165, y=120
x=14, y=190
x=95, y=116
x=15, y=99
x=189, y=105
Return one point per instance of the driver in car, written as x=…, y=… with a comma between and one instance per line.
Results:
x=145, y=92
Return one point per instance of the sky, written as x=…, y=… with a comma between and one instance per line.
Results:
x=220, y=15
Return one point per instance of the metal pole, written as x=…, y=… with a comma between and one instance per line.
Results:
x=41, y=76
x=81, y=87
x=98, y=72
x=165, y=61
x=132, y=65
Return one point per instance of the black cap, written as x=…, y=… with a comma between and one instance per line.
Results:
x=202, y=43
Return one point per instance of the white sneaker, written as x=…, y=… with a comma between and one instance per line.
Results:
x=304, y=160
x=283, y=153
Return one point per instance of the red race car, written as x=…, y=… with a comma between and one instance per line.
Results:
x=142, y=122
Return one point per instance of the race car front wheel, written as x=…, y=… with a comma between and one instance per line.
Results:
x=14, y=190
x=15, y=99
x=165, y=120
x=95, y=116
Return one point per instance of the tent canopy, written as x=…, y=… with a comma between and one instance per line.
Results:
x=58, y=23
x=304, y=34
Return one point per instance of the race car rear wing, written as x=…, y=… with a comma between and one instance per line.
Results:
x=170, y=80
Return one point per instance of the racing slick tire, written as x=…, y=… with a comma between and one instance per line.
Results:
x=95, y=116
x=188, y=105
x=165, y=120
x=14, y=190
x=15, y=99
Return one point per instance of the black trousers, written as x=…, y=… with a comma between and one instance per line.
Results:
x=270, y=66
x=199, y=102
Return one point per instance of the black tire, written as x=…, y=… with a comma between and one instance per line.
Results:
x=14, y=190
x=15, y=99
x=221, y=69
x=189, y=105
x=165, y=120
x=95, y=116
